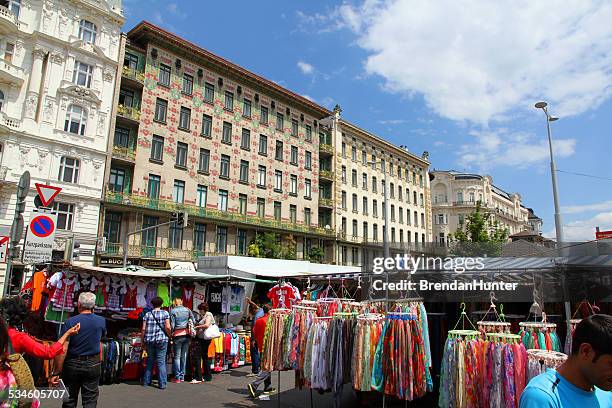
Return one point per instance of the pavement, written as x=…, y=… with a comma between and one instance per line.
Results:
x=229, y=390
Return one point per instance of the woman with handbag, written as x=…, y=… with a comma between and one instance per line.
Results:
x=155, y=336
x=182, y=324
x=207, y=330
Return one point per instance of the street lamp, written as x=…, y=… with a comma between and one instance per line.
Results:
x=553, y=170
x=385, y=226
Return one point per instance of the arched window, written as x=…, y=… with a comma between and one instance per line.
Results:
x=13, y=5
x=69, y=170
x=1, y=100
x=76, y=119
x=87, y=31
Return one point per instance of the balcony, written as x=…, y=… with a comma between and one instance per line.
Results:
x=143, y=251
x=132, y=74
x=124, y=153
x=326, y=175
x=10, y=73
x=129, y=113
x=326, y=148
x=8, y=20
x=213, y=214
x=326, y=202
x=9, y=123
x=464, y=203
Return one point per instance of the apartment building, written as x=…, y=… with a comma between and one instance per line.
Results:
x=196, y=133
x=454, y=196
x=58, y=67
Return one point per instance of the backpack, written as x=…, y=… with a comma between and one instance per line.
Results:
x=23, y=375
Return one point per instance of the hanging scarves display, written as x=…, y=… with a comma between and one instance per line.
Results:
x=272, y=357
x=538, y=361
x=367, y=334
x=540, y=335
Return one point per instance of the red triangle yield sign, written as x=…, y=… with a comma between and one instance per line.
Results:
x=47, y=193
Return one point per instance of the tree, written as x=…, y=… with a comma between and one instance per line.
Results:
x=479, y=235
x=265, y=246
x=289, y=250
x=316, y=254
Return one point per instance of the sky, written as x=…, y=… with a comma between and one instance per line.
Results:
x=457, y=79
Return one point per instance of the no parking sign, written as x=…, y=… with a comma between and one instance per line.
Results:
x=38, y=247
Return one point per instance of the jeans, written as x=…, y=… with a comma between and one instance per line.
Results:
x=255, y=359
x=263, y=377
x=203, y=360
x=180, y=347
x=156, y=354
x=81, y=376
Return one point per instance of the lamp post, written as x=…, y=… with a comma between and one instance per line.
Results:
x=385, y=231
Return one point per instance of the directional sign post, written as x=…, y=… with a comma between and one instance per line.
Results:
x=4, y=244
x=38, y=247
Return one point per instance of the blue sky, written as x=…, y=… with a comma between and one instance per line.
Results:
x=457, y=80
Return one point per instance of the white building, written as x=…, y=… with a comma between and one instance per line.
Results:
x=58, y=67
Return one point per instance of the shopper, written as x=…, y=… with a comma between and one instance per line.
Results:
x=179, y=322
x=206, y=319
x=81, y=363
x=264, y=376
x=256, y=312
x=15, y=312
x=585, y=379
x=155, y=336
x=7, y=378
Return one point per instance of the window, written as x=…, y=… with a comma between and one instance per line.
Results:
x=343, y=149
x=414, y=195
x=407, y=216
x=344, y=204
x=383, y=186
x=181, y=154
x=130, y=61
x=392, y=190
x=422, y=220
x=221, y=240
x=401, y=235
x=264, y=115
x=206, y=125
x=416, y=219
x=421, y=202
x=222, y=203
x=294, y=127
x=364, y=157
x=442, y=238
x=202, y=195
x=126, y=98
x=294, y=183
x=392, y=212
x=278, y=152
x=391, y=168
x=82, y=74
x=112, y=227
x=261, y=207
x=225, y=166
x=354, y=178
x=383, y=165
x=209, y=92
x=399, y=193
x=69, y=170
x=355, y=232
x=355, y=203
x=246, y=108
x=229, y=101
x=375, y=232
x=277, y=210
x=157, y=148
x=261, y=176
x=471, y=196
x=87, y=31
x=308, y=160
x=392, y=234
x=204, y=160
x=401, y=215
x=1, y=100
x=407, y=195
x=185, y=118
x=245, y=141
x=244, y=171
x=365, y=231
x=164, y=74
x=375, y=208
x=280, y=121
x=153, y=186
x=364, y=181
x=399, y=172
x=65, y=214
x=175, y=236
x=364, y=206
x=292, y=214
x=373, y=161
x=461, y=218
x=308, y=130
x=263, y=144
x=178, y=192
x=307, y=216
x=343, y=226
x=242, y=204
x=294, y=155
x=149, y=236
x=116, y=181
x=278, y=181
x=161, y=108
x=242, y=242
x=76, y=119
x=354, y=153
x=440, y=219
x=374, y=185
x=187, y=84
x=199, y=237
x=343, y=174
x=226, y=136
x=308, y=189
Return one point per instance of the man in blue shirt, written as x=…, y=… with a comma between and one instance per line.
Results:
x=585, y=379
x=81, y=360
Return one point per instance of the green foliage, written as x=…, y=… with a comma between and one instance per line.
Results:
x=265, y=246
x=479, y=235
x=289, y=249
x=316, y=254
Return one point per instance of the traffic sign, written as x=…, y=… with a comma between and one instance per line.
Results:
x=38, y=246
x=4, y=244
x=47, y=193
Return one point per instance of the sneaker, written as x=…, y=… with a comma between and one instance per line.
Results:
x=252, y=374
x=269, y=391
x=195, y=381
x=175, y=381
x=252, y=390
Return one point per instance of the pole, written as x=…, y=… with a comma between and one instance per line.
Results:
x=278, y=391
x=138, y=231
x=386, y=243
x=553, y=171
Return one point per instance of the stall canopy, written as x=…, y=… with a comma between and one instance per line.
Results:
x=247, y=268
x=139, y=272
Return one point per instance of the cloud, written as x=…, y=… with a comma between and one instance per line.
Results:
x=175, y=10
x=328, y=101
x=306, y=68
x=393, y=121
x=310, y=98
x=481, y=61
x=576, y=209
x=507, y=148
x=584, y=230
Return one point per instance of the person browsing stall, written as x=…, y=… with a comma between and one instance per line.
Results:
x=179, y=322
x=264, y=376
x=155, y=336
